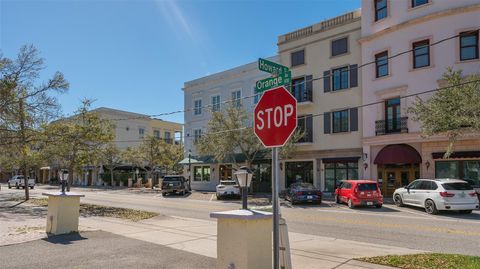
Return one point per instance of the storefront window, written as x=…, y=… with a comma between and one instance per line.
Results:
x=447, y=169
x=298, y=172
x=471, y=170
x=262, y=177
x=337, y=171
x=201, y=173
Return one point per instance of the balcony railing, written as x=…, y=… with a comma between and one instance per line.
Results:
x=303, y=95
x=392, y=126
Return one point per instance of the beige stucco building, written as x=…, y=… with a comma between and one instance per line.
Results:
x=438, y=33
x=323, y=59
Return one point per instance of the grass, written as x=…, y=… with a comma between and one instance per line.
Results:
x=427, y=261
x=89, y=210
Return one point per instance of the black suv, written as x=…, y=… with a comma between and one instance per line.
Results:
x=174, y=184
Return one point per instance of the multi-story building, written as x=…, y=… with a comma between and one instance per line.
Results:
x=393, y=149
x=324, y=60
x=211, y=93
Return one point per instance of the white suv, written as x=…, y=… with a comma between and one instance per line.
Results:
x=438, y=194
x=228, y=188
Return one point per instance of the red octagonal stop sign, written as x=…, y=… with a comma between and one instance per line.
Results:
x=275, y=117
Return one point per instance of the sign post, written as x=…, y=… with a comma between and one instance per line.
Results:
x=275, y=120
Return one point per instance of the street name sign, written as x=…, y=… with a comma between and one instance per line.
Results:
x=275, y=117
x=271, y=67
x=273, y=82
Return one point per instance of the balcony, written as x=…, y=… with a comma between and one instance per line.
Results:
x=302, y=95
x=392, y=126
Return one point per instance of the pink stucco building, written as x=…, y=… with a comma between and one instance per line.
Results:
x=393, y=150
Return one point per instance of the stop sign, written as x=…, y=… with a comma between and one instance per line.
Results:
x=275, y=117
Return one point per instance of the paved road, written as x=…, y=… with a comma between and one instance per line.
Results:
x=98, y=250
x=402, y=227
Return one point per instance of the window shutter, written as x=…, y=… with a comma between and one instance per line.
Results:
x=353, y=75
x=326, y=123
x=307, y=95
x=326, y=81
x=309, y=128
x=353, y=119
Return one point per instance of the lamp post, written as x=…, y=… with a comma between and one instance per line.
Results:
x=244, y=177
x=189, y=169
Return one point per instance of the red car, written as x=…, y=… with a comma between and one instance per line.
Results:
x=359, y=193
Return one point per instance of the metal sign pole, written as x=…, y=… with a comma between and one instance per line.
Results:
x=276, y=208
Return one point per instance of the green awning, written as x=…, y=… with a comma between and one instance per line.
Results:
x=187, y=161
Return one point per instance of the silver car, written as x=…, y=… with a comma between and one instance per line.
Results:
x=438, y=194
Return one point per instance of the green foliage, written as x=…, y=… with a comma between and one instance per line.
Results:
x=453, y=111
x=427, y=261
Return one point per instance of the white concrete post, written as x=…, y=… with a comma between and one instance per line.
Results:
x=63, y=212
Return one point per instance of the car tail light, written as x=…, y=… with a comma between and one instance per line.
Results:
x=319, y=193
x=236, y=187
x=355, y=190
x=446, y=194
x=473, y=194
x=299, y=193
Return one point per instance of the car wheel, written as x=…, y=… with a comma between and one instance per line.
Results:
x=31, y=187
x=466, y=211
x=337, y=199
x=398, y=200
x=16, y=186
x=183, y=193
x=9, y=186
x=164, y=194
x=430, y=207
x=378, y=205
x=350, y=203
x=293, y=202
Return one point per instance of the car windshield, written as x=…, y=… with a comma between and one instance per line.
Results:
x=172, y=179
x=367, y=187
x=302, y=185
x=459, y=186
x=228, y=183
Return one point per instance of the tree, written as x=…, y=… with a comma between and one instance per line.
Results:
x=26, y=105
x=111, y=158
x=80, y=138
x=230, y=132
x=173, y=155
x=153, y=151
x=453, y=111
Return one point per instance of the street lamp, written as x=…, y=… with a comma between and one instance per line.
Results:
x=244, y=177
x=189, y=169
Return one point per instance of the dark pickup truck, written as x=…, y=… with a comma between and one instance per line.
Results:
x=174, y=184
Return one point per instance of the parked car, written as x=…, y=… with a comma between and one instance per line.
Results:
x=438, y=194
x=173, y=185
x=475, y=185
x=303, y=192
x=19, y=181
x=228, y=188
x=359, y=193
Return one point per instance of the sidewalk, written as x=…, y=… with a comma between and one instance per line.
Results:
x=26, y=223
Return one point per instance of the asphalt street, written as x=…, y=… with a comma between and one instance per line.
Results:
x=402, y=227
x=97, y=250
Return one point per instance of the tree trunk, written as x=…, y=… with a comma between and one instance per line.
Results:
x=23, y=144
x=111, y=177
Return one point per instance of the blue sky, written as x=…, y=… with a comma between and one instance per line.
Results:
x=136, y=55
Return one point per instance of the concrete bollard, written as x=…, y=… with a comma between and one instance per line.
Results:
x=130, y=182
x=244, y=239
x=63, y=212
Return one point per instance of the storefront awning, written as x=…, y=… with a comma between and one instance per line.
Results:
x=399, y=153
x=459, y=154
x=340, y=160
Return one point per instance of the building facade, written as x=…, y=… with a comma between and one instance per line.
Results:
x=326, y=82
x=210, y=93
x=394, y=152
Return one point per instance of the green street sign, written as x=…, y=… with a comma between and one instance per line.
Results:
x=270, y=83
x=271, y=67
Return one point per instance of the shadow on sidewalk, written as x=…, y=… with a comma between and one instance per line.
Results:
x=64, y=239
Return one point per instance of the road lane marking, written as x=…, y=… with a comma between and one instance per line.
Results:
x=211, y=198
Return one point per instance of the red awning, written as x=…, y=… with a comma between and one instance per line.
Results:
x=399, y=153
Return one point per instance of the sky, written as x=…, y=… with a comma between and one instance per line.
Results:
x=136, y=55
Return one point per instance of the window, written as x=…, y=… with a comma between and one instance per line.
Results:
x=141, y=133
x=216, y=103
x=468, y=46
x=340, y=78
x=257, y=96
x=380, y=9
x=392, y=116
x=197, y=133
x=468, y=170
x=198, y=107
x=297, y=58
x=336, y=171
x=236, y=99
x=381, y=64
x=201, y=173
x=340, y=121
x=416, y=3
x=299, y=89
x=339, y=46
x=168, y=137
x=421, y=54
x=298, y=172
x=156, y=134
x=304, y=124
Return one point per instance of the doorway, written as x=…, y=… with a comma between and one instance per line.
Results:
x=394, y=176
